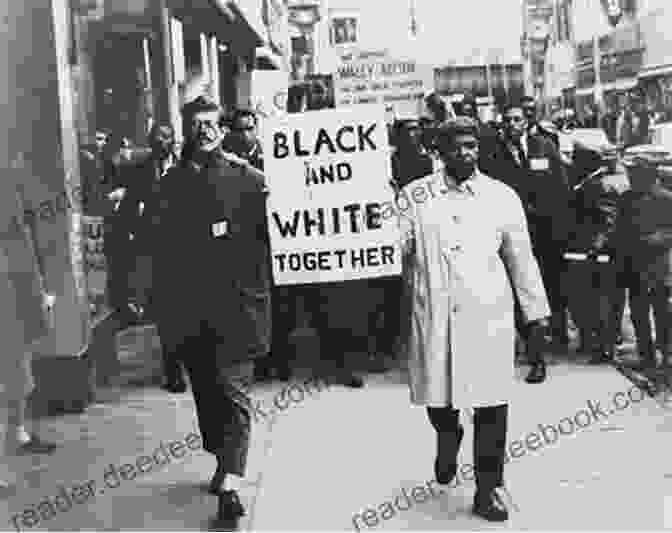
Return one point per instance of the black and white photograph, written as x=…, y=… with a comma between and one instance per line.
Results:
x=344, y=30
x=429, y=290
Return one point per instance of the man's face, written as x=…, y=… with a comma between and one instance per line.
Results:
x=101, y=140
x=245, y=131
x=530, y=111
x=162, y=142
x=459, y=154
x=205, y=131
x=514, y=123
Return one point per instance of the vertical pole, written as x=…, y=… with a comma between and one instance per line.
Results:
x=214, y=69
x=205, y=57
x=165, y=89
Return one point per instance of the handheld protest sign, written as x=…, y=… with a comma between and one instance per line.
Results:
x=328, y=175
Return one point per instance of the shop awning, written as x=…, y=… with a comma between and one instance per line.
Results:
x=219, y=18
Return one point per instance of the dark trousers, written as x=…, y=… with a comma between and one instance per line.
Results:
x=489, y=440
x=643, y=297
x=170, y=352
x=283, y=301
x=593, y=301
x=222, y=406
x=388, y=320
x=118, y=258
x=553, y=267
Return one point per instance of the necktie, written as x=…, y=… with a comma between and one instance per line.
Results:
x=520, y=154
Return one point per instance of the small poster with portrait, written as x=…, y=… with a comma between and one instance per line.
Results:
x=344, y=30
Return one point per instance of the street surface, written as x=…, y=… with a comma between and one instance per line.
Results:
x=337, y=453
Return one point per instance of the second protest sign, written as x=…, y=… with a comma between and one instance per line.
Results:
x=328, y=175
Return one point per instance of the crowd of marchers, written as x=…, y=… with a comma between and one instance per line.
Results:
x=489, y=257
x=600, y=225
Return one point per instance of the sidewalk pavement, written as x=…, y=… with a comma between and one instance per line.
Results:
x=338, y=452
x=365, y=446
x=130, y=420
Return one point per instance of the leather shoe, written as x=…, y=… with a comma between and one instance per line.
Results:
x=354, y=382
x=490, y=506
x=229, y=510
x=537, y=373
x=445, y=468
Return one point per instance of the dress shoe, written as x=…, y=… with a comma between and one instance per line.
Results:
x=491, y=506
x=262, y=372
x=537, y=373
x=175, y=387
x=445, y=468
x=284, y=374
x=354, y=382
x=229, y=510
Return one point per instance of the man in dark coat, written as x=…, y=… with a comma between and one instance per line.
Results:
x=410, y=160
x=644, y=250
x=594, y=298
x=531, y=164
x=140, y=210
x=534, y=127
x=244, y=142
x=213, y=284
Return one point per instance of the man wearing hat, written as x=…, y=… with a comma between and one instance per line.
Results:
x=466, y=251
x=644, y=248
x=213, y=287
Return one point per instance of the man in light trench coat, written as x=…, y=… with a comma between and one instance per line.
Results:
x=466, y=249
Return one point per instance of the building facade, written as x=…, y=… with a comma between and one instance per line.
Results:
x=73, y=67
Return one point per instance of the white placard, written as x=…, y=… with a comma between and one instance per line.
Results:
x=328, y=174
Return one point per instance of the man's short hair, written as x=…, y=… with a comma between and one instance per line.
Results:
x=509, y=107
x=240, y=113
x=203, y=104
x=527, y=100
x=450, y=129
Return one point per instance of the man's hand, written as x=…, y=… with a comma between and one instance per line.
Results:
x=538, y=335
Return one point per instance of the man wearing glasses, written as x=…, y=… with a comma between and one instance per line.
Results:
x=214, y=267
x=531, y=165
